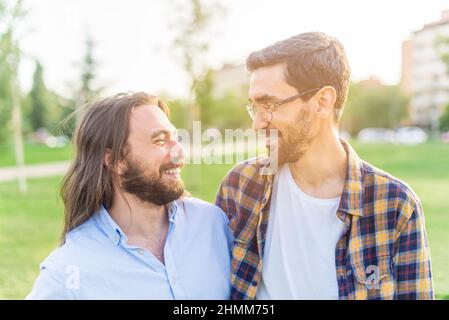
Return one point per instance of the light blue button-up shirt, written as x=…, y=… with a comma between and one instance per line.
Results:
x=96, y=262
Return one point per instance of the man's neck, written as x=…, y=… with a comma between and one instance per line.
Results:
x=321, y=171
x=143, y=221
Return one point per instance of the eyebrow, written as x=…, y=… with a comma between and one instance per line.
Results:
x=264, y=98
x=163, y=131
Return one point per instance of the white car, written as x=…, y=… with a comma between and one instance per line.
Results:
x=376, y=135
x=411, y=135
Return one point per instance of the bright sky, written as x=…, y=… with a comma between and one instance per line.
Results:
x=133, y=37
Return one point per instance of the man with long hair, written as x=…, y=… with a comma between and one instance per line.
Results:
x=130, y=230
x=326, y=225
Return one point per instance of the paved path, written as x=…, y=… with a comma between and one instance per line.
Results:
x=35, y=171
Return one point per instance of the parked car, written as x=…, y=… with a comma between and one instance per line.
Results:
x=376, y=135
x=411, y=135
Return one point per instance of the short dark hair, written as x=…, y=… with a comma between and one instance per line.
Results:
x=313, y=59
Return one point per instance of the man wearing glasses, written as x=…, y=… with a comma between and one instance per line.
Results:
x=326, y=225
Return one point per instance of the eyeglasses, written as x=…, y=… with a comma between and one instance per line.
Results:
x=254, y=110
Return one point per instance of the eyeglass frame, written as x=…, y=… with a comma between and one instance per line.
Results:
x=272, y=106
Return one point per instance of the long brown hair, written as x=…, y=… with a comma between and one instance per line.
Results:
x=89, y=184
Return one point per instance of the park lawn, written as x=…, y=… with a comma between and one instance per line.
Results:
x=34, y=153
x=30, y=226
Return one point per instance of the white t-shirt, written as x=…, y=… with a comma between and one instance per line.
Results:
x=299, y=254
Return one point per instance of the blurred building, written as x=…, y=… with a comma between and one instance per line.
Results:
x=424, y=76
x=371, y=82
x=230, y=78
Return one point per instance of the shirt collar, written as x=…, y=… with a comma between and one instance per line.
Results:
x=113, y=230
x=109, y=226
x=172, y=209
x=351, y=200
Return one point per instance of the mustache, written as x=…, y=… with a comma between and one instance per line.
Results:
x=170, y=165
x=270, y=132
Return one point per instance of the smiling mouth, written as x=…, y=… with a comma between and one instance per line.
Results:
x=173, y=171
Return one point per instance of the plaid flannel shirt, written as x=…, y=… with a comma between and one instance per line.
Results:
x=383, y=255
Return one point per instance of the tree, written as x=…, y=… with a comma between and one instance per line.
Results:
x=5, y=72
x=191, y=43
x=89, y=67
x=225, y=111
x=444, y=119
x=86, y=89
x=222, y=111
x=38, y=100
x=204, y=98
x=442, y=45
x=42, y=107
x=10, y=55
x=373, y=106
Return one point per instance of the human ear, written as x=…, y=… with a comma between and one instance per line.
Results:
x=326, y=98
x=107, y=162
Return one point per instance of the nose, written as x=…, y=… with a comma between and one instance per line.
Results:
x=261, y=121
x=177, y=153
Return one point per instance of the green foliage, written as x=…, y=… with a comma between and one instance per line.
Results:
x=226, y=111
x=89, y=66
x=39, y=100
x=43, y=108
x=444, y=119
x=192, y=26
x=442, y=45
x=5, y=85
x=5, y=91
x=204, y=97
x=178, y=112
x=373, y=106
x=11, y=14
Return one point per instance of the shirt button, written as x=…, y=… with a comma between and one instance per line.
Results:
x=116, y=239
x=141, y=251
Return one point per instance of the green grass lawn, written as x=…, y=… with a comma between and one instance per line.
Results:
x=30, y=226
x=34, y=153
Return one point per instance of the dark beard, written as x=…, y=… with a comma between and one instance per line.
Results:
x=294, y=143
x=152, y=188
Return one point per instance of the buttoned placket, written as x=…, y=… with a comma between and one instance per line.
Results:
x=169, y=269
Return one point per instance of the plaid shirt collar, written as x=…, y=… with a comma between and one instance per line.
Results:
x=351, y=200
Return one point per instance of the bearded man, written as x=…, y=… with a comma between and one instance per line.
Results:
x=326, y=224
x=131, y=231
